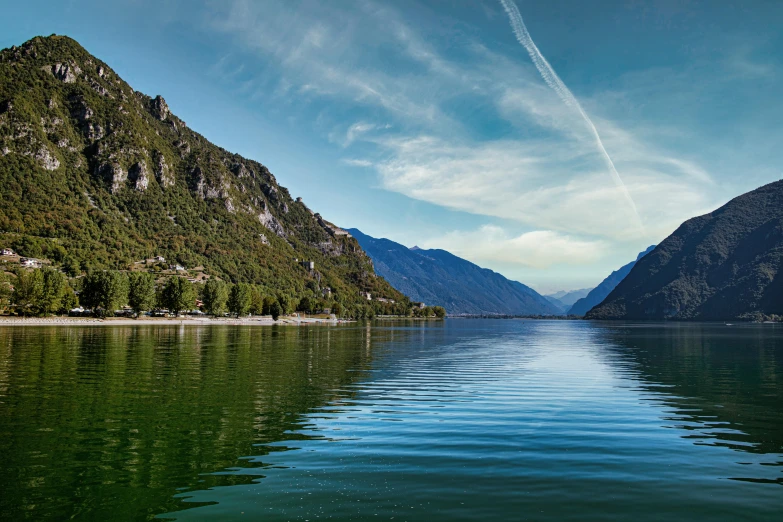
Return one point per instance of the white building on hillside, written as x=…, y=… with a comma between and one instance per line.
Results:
x=29, y=262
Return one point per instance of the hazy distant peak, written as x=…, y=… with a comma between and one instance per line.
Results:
x=437, y=277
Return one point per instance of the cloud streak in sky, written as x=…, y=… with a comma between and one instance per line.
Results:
x=553, y=80
x=463, y=126
x=535, y=249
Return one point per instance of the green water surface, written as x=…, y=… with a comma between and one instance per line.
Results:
x=458, y=420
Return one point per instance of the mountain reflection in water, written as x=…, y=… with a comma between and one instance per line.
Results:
x=462, y=420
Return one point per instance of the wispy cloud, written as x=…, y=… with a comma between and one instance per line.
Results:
x=553, y=80
x=536, y=249
x=355, y=131
x=323, y=50
x=357, y=162
x=513, y=180
x=413, y=116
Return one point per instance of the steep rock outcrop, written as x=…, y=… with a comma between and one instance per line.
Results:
x=66, y=73
x=46, y=159
x=160, y=109
x=139, y=175
x=163, y=173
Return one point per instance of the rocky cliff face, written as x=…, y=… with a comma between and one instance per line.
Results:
x=725, y=265
x=112, y=175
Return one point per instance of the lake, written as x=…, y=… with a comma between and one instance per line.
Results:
x=418, y=421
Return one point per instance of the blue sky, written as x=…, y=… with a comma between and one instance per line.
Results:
x=429, y=123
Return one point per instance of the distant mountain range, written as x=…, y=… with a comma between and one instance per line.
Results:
x=599, y=293
x=564, y=298
x=724, y=265
x=437, y=277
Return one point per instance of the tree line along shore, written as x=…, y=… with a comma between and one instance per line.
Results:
x=45, y=291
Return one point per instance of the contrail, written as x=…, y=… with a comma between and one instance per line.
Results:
x=553, y=80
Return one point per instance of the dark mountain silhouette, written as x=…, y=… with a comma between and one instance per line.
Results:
x=437, y=277
x=719, y=266
x=599, y=293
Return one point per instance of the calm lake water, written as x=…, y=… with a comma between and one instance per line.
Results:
x=460, y=420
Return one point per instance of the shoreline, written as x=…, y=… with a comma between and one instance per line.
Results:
x=166, y=321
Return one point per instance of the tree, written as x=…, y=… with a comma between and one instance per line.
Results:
x=274, y=310
x=141, y=291
x=5, y=291
x=256, y=301
x=439, y=312
x=305, y=305
x=69, y=300
x=268, y=301
x=337, y=309
x=287, y=303
x=360, y=312
x=104, y=291
x=54, y=286
x=27, y=292
x=71, y=266
x=28, y=246
x=40, y=292
x=178, y=294
x=215, y=297
x=239, y=299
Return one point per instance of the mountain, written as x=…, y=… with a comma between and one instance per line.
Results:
x=557, y=304
x=599, y=293
x=565, y=298
x=96, y=175
x=437, y=277
x=724, y=265
x=569, y=296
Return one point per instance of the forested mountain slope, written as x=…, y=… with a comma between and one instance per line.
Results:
x=724, y=265
x=96, y=175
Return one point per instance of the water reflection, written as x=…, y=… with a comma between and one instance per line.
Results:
x=721, y=376
x=722, y=384
x=467, y=420
x=112, y=422
x=491, y=420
